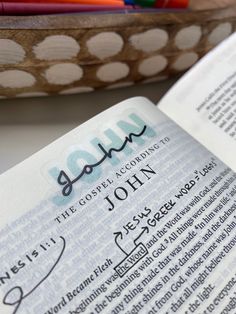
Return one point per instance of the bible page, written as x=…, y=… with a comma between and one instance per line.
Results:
x=203, y=102
x=126, y=214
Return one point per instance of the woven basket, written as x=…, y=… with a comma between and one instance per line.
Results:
x=63, y=54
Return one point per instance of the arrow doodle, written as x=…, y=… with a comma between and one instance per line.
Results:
x=144, y=229
x=117, y=236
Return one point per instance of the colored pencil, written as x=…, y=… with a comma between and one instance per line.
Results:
x=16, y=8
x=54, y=1
x=32, y=7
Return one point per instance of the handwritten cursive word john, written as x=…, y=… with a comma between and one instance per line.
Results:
x=64, y=179
x=16, y=295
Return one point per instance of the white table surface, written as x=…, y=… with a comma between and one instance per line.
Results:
x=28, y=124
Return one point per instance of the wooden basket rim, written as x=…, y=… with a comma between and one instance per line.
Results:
x=88, y=21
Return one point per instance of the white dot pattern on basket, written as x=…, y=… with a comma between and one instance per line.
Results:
x=63, y=73
x=112, y=72
x=104, y=45
x=219, y=33
x=32, y=94
x=57, y=47
x=120, y=85
x=40, y=61
x=151, y=40
x=153, y=65
x=75, y=90
x=188, y=37
x=185, y=61
x=11, y=52
x=16, y=79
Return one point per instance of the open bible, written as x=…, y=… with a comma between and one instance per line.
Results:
x=132, y=212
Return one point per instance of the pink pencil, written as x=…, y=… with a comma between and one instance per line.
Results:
x=26, y=8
